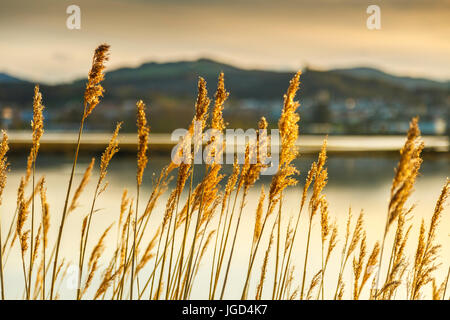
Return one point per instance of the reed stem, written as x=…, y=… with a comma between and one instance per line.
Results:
x=233, y=244
x=84, y=243
x=133, y=261
x=2, y=283
x=306, y=258
x=66, y=202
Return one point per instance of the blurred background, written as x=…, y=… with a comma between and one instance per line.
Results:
x=355, y=80
x=356, y=83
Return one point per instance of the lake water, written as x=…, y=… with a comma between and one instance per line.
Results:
x=359, y=182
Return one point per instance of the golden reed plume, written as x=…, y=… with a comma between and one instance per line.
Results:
x=221, y=96
x=4, y=148
x=110, y=151
x=94, y=89
x=45, y=212
x=288, y=126
x=37, y=127
x=143, y=131
x=174, y=264
x=181, y=155
x=406, y=172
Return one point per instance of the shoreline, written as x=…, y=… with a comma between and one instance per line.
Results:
x=62, y=142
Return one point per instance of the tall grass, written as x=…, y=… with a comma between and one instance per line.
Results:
x=163, y=261
x=93, y=92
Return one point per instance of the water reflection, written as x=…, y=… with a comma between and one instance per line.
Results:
x=359, y=182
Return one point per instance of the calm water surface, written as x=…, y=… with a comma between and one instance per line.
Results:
x=359, y=182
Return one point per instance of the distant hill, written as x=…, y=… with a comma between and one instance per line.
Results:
x=6, y=78
x=180, y=78
x=408, y=82
x=171, y=88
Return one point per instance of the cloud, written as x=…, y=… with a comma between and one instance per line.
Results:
x=265, y=33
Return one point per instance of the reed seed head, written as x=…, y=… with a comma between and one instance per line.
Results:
x=143, y=131
x=110, y=151
x=288, y=126
x=258, y=218
x=221, y=96
x=4, y=147
x=94, y=89
x=406, y=172
x=37, y=127
x=202, y=103
x=45, y=212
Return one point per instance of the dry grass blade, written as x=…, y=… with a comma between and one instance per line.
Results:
x=314, y=283
x=427, y=251
x=262, y=278
x=96, y=253
x=110, y=151
x=83, y=183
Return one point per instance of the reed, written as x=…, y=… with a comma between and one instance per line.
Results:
x=107, y=155
x=427, y=250
x=37, y=127
x=4, y=147
x=288, y=126
x=317, y=199
x=351, y=242
x=225, y=205
x=22, y=234
x=201, y=113
x=45, y=229
x=166, y=259
x=143, y=131
x=403, y=182
x=92, y=94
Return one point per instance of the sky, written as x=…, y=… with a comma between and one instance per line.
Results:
x=414, y=38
